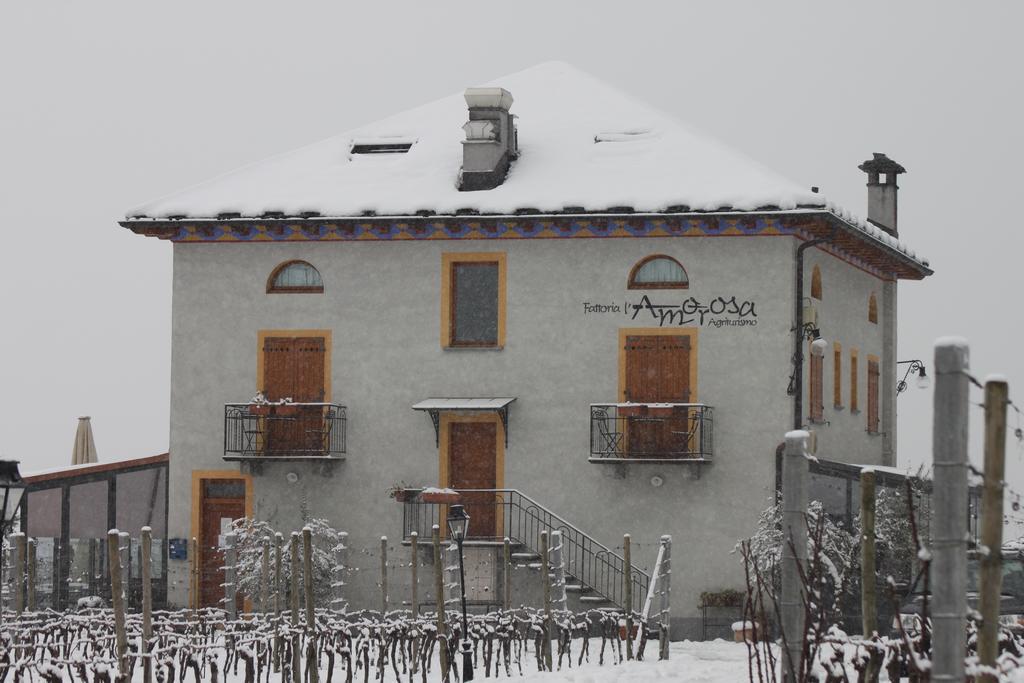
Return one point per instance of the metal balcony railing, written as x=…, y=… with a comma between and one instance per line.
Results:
x=257, y=430
x=498, y=513
x=656, y=432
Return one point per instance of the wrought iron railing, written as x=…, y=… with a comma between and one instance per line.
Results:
x=499, y=513
x=662, y=432
x=284, y=429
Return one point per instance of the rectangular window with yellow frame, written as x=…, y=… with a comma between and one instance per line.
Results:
x=473, y=300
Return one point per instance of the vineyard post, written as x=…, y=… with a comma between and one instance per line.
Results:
x=147, y=602
x=383, y=575
x=230, y=579
x=278, y=552
x=117, y=599
x=545, y=572
x=124, y=541
x=413, y=541
x=558, y=570
x=442, y=636
x=296, y=659
x=794, y=552
x=193, y=574
x=340, y=571
x=949, y=520
x=265, y=576
x=307, y=581
x=665, y=606
x=868, y=604
x=507, y=574
x=30, y=588
x=996, y=398
x=627, y=578
x=19, y=573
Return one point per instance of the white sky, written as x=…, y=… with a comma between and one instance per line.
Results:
x=106, y=105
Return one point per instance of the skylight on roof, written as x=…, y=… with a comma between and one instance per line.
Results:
x=630, y=135
x=381, y=146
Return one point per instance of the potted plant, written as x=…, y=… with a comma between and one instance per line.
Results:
x=402, y=493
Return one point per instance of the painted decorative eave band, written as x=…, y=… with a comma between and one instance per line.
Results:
x=850, y=242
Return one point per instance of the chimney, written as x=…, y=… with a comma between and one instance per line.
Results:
x=882, y=195
x=490, y=144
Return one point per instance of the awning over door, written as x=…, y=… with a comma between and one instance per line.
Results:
x=435, y=406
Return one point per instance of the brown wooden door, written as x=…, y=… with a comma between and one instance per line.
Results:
x=293, y=367
x=473, y=464
x=657, y=371
x=223, y=500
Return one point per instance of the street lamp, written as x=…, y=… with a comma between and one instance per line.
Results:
x=458, y=525
x=922, y=377
x=12, y=487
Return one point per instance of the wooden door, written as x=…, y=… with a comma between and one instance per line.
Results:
x=657, y=371
x=473, y=464
x=223, y=500
x=293, y=367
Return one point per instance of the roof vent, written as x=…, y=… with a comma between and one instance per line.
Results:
x=624, y=135
x=380, y=147
x=490, y=144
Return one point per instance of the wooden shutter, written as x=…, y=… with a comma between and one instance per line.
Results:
x=658, y=369
x=854, y=378
x=817, y=407
x=293, y=367
x=873, y=396
x=837, y=376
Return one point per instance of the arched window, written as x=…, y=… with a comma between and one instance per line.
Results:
x=816, y=283
x=873, y=309
x=295, y=277
x=658, y=272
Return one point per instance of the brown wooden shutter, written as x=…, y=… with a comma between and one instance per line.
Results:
x=817, y=407
x=837, y=376
x=278, y=372
x=657, y=369
x=854, y=378
x=873, y=396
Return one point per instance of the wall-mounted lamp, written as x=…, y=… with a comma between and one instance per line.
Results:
x=916, y=366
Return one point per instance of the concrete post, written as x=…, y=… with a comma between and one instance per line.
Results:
x=996, y=397
x=117, y=599
x=18, y=584
x=557, y=572
x=312, y=674
x=193, y=573
x=414, y=560
x=296, y=571
x=147, y=602
x=545, y=571
x=507, y=573
x=278, y=562
x=230, y=580
x=794, y=550
x=665, y=606
x=30, y=586
x=949, y=520
x=338, y=603
x=383, y=575
x=627, y=591
x=442, y=634
x=868, y=600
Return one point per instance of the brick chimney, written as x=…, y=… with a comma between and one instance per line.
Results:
x=490, y=144
x=882, y=195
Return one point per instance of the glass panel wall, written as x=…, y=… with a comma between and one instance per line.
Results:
x=44, y=525
x=87, y=547
x=141, y=501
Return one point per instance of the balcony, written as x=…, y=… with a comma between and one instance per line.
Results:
x=651, y=433
x=284, y=431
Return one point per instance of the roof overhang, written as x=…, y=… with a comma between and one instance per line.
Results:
x=435, y=406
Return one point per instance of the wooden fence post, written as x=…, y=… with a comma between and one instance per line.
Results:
x=949, y=520
x=296, y=657
x=414, y=538
x=117, y=599
x=30, y=588
x=442, y=634
x=265, y=576
x=996, y=399
x=124, y=542
x=627, y=592
x=507, y=573
x=383, y=575
x=230, y=578
x=312, y=673
x=147, y=602
x=545, y=572
x=665, y=605
x=19, y=572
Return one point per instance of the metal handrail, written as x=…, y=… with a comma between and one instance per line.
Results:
x=595, y=566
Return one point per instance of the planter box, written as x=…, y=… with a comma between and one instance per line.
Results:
x=445, y=497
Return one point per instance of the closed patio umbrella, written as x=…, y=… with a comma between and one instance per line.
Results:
x=84, y=450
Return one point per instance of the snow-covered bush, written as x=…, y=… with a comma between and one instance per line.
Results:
x=249, y=535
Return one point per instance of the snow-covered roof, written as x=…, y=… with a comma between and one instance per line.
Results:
x=582, y=144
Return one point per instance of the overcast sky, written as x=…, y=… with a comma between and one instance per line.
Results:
x=106, y=105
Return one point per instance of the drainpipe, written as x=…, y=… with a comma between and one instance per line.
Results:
x=798, y=351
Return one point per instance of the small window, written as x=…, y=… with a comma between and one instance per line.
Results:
x=658, y=272
x=295, y=277
x=473, y=300
x=873, y=309
x=816, y=283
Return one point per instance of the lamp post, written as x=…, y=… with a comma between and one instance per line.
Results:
x=916, y=366
x=458, y=525
x=12, y=487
